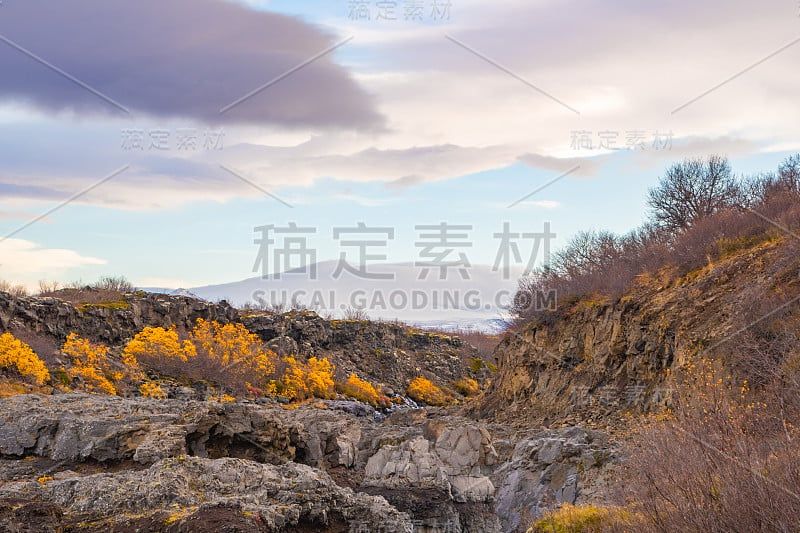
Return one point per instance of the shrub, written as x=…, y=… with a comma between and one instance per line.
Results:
x=466, y=386
x=725, y=222
x=231, y=356
x=90, y=365
x=158, y=349
x=582, y=519
x=12, y=388
x=15, y=353
x=301, y=381
x=113, y=283
x=738, y=462
x=359, y=389
x=425, y=391
x=152, y=390
x=48, y=287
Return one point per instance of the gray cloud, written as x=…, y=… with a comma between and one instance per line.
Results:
x=589, y=166
x=177, y=58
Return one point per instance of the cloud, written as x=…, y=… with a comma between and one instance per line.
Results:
x=588, y=166
x=546, y=204
x=25, y=262
x=448, y=113
x=177, y=58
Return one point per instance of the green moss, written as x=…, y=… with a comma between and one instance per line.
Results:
x=106, y=305
x=476, y=365
x=60, y=375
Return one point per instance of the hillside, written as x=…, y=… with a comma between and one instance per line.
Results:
x=600, y=356
x=388, y=354
x=659, y=394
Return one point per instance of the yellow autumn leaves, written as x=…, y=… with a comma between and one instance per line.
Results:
x=16, y=354
x=228, y=356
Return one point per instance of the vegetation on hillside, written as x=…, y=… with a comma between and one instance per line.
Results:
x=724, y=456
x=700, y=213
x=16, y=355
x=226, y=358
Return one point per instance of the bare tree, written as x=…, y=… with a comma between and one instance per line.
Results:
x=18, y=291
x=355, y=313
x=692, y=190
x=115, y=283
x=586, y=253
x=48, y=287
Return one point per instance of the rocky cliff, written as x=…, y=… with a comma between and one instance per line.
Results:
x=391, y=354
x=97, y=463
x=383, y=353
x=600, y=357
x=109, y=322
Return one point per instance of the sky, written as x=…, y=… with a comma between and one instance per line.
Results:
x=150, y=139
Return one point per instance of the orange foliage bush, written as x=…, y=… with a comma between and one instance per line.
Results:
x=152, y=390
x=425, y=391
x=158, y=349
x=359, y=389
x=467, y=386
x=228, y=355
x=90, y=365
x=301, y=381
x=15, y=353
x=231, y=356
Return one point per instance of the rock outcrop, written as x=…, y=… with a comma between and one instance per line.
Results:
x=107, y=429
x=383, y=353
x=137, y=462
x=388, y=353
x=208, y=495
x=551, y=468
x=111, y=323
x=602, y=357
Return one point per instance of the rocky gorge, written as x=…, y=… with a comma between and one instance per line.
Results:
x=93, y=463
x=547, y=428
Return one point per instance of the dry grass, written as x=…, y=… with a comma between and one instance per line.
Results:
x=724, y=460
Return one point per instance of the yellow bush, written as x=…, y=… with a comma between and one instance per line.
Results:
x=228, y=355
x=467, y=386
x=582, y=519
x=320, y=378
x=152, y=390
x=425, y=391
x=90, y=365
x=359, y=389
x=235, y=352
x=230, y=344
x=157, y=345
x=301, y=381
x=15, y=353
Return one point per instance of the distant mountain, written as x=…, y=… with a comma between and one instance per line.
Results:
x=477, y=302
